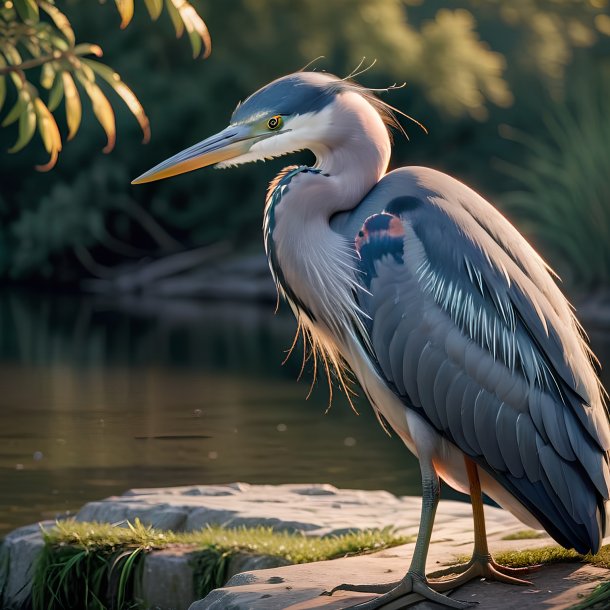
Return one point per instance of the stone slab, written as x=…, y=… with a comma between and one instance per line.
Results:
x=315, y=509
x=555, y=587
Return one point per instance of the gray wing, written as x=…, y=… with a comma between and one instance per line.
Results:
x=468, y=328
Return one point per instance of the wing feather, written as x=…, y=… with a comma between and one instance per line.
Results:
x=469, y=329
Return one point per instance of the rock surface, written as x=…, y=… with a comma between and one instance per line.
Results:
x=316, y=510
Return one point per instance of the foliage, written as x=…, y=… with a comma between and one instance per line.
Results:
x=97, y=564
x=469, y=60
x=38, y=44
x=565, y=199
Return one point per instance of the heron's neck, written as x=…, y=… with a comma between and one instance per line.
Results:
x=354, y=158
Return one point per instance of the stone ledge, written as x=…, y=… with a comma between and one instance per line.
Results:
x=314, y=509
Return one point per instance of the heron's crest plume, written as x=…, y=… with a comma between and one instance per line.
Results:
x=309, y=92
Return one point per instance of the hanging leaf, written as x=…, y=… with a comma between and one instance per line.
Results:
x=27, y=10
x=56, y=94
x=74, y=109
x=2, y=83
x=59, y=19
x=47, y=75
x=101, y=108
x=11, y=53
x=195, y=27
x=154, y=8
x=49, y=132
x=175, y=17
x=16, y=110
x=125, y=93
x=126, y=11
x=27, y=125
x=86, y=48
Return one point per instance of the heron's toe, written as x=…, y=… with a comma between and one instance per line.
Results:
x=407, y=592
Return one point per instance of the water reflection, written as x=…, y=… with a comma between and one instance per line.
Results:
x=100, y=395
x=103, y=395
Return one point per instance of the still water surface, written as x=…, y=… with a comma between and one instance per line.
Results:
x=102, y=395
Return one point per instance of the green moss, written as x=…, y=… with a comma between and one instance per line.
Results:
x=599, y=599
x=525, y=535
x=96, y=565
x=552, y=554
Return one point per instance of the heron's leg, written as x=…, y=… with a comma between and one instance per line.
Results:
x=482, y=564
x=414, y=585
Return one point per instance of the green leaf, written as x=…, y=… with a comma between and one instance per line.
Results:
x=74, y=109
x=175, y=17
x=27, y=10
x=11, y=53
x=2, y=82
x=16, y=110
x=125, y=93
x=56, y=94
x=154, y=8
x=2, y=90
x=101, y=108
x=27, y=126
x=125, y=10
x=59, y=19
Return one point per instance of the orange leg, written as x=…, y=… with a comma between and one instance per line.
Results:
x=482, y=564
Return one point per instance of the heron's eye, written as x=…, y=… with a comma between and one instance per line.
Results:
x=275, y=122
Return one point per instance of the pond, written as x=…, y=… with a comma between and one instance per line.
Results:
x=100, y=395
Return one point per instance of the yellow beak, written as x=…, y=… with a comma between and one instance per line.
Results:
x=232, y=142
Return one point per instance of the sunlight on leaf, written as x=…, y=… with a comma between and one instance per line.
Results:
x=195, y=27
x=175, y=17
x=126, y=94
x=87, y=48
x=47, y=75
x=49, y=132
x=126, y=11
x=73, y=105
x=102, y=110
x=59, y=19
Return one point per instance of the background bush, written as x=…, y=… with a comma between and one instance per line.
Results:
x=472, y=67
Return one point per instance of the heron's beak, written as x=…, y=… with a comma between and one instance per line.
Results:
x=232, y=142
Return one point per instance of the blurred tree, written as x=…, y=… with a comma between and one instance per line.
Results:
x=37, y=44
x=467, y=61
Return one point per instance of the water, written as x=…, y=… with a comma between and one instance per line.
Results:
x=102, y=395
x=99, y=396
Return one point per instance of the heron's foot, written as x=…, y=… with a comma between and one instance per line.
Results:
x=481, y=566
x=401, y=594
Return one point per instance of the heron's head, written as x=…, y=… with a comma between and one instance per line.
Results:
x=305, y=110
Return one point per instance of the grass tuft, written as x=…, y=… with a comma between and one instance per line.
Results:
x=96, y=565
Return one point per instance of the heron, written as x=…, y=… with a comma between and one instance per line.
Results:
x=451, y=322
